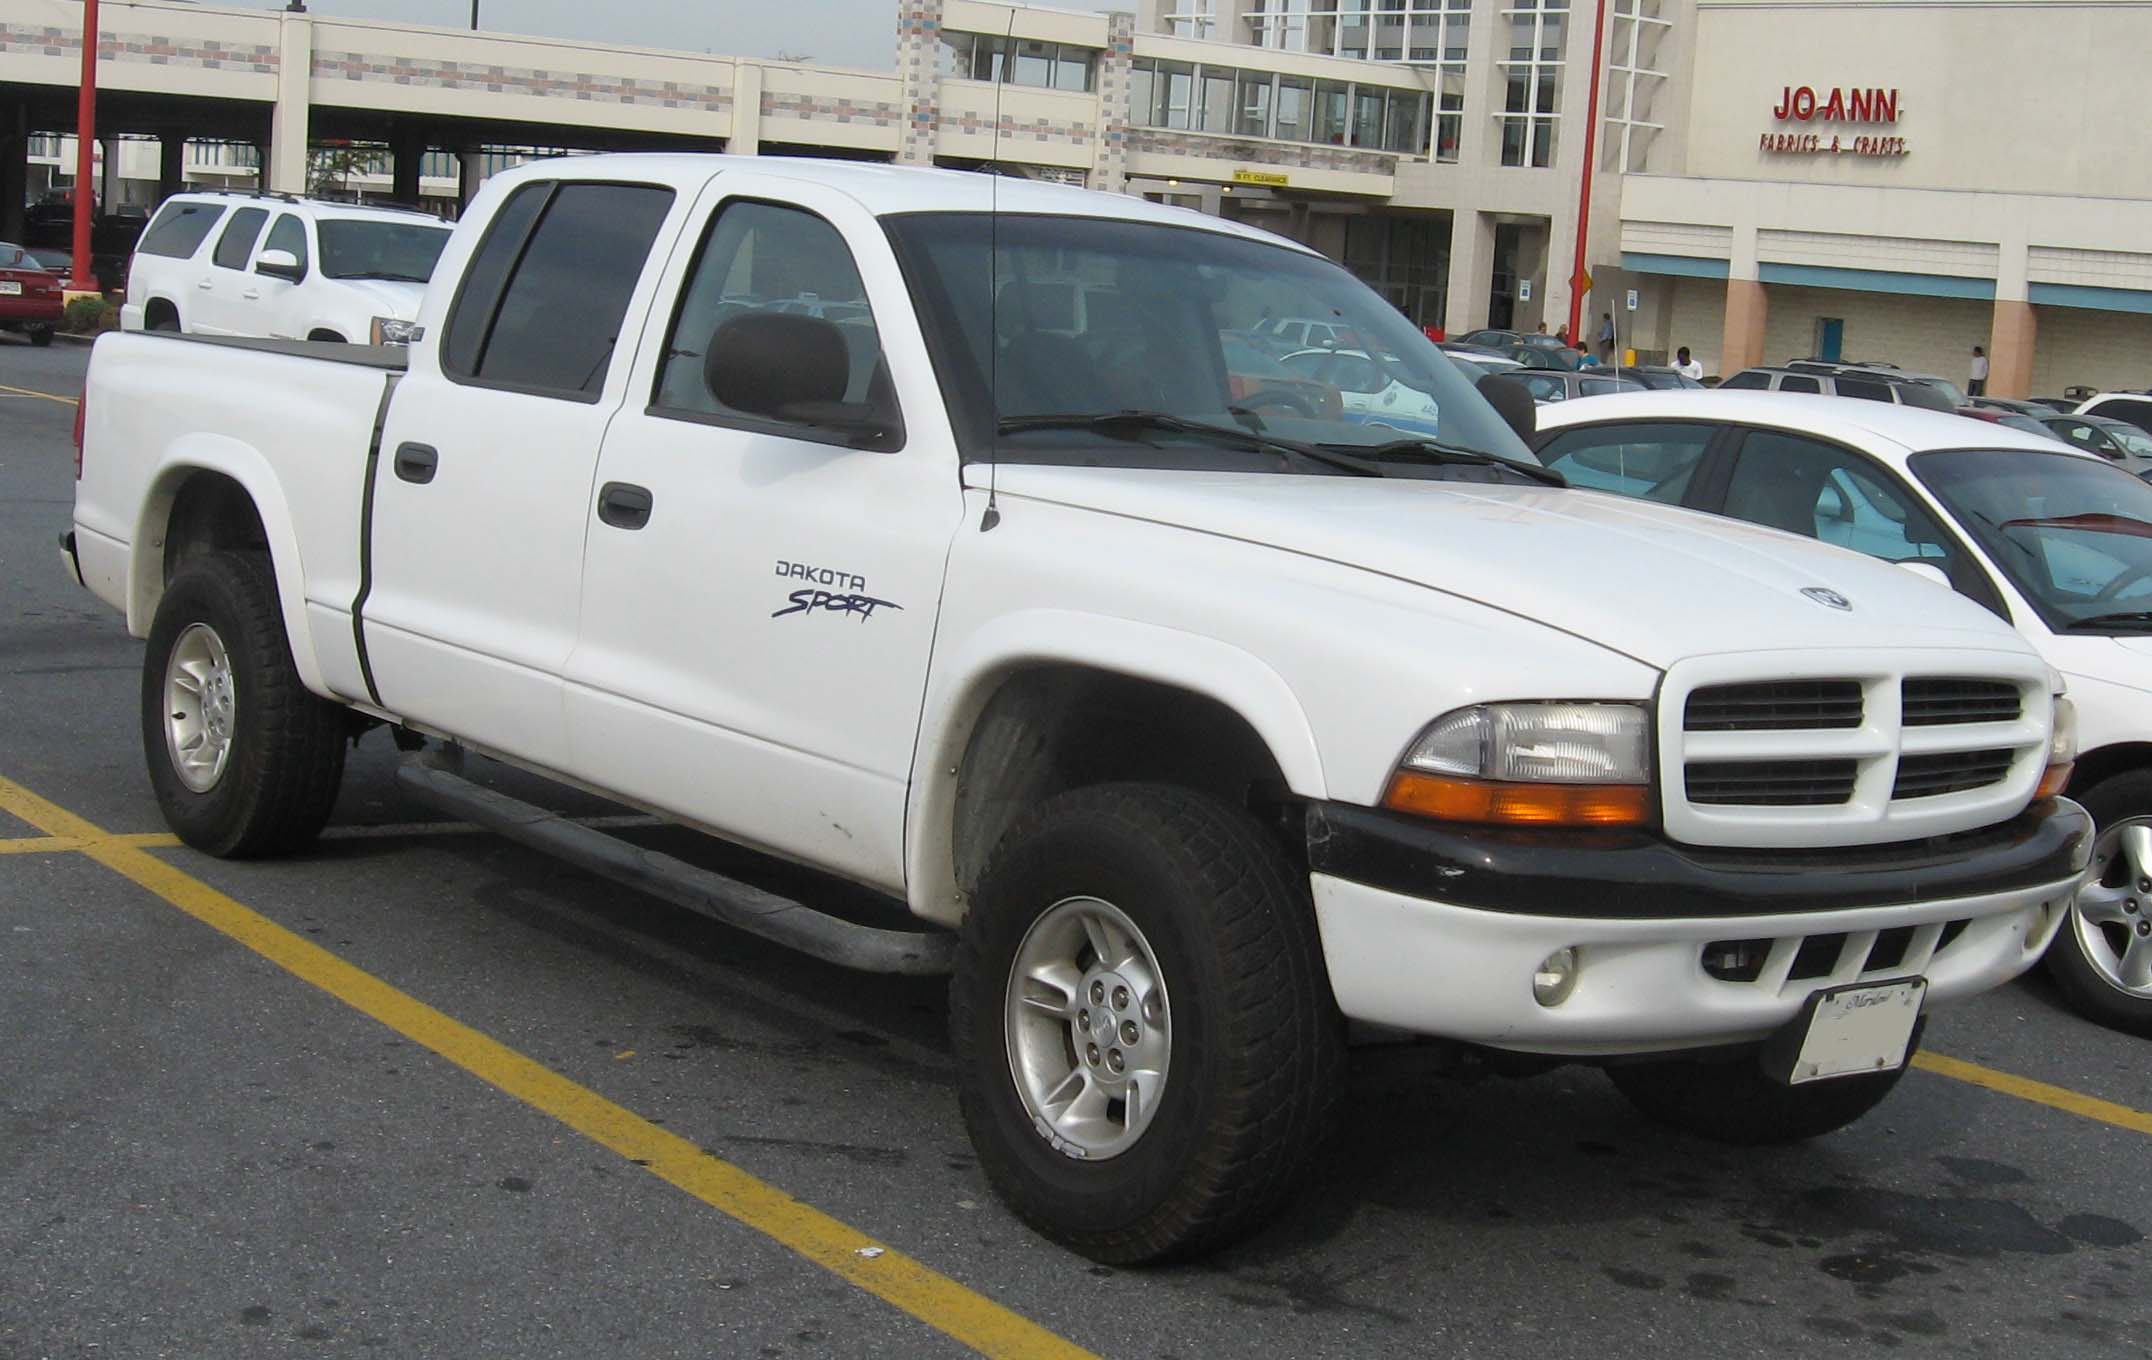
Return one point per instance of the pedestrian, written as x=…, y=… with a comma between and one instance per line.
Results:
x=1542, y=328
x=1687, y=367
x=1563, y=335
x=1977, y=385
x=1606, y=335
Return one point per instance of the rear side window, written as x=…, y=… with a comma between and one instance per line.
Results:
x=1654, y=462
x=180, y=229
x=1794, y=382
x=1749, y=380
x=543, y=301
x=1863, y=389
x=237, y=242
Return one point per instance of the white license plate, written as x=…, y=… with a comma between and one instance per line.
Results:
x=10, y=288
x=1859, y=1029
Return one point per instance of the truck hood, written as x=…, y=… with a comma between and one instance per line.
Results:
x=387, y=297
x=1652, y=582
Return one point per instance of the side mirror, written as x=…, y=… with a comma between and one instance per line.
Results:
x=792, y=368
x=280, y=264
x=1512, y=401
x=1928, y=571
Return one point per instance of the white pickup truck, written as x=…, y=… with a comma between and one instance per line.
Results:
x=1183, y=718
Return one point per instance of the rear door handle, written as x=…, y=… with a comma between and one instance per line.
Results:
x=251, y=293
x=624, y=505
x=417, y=462
x=205, y=285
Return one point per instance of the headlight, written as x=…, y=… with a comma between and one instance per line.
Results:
x=2061, y=750
x=389, y=330
x=1530, y=764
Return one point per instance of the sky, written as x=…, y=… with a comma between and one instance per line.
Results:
x=828, y=32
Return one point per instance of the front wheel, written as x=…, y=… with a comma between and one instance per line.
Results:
x=244, y=759
x=1732, y=1101
x=1148, y=1052
x=2102, y=957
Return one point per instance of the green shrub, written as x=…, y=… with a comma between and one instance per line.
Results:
x=89, y=315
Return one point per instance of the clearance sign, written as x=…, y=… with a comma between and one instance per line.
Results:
x=1854, y=122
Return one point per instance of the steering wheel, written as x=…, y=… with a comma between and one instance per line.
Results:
x=1277, y=399
x=2114, y=588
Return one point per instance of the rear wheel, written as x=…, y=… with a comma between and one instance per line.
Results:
x=245, y=760
x=40, y=336
x=1148, y=1052
x=2102, y=957
x=1730, y=1100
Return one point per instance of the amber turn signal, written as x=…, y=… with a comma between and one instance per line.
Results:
x=1495, y=803
x=2054, y=780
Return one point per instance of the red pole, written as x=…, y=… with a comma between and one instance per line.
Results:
x=85, y=146
x=1584, y=190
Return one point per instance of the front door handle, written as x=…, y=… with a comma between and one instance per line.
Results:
x=624, y=505
x=417, y=462
x=251, y=294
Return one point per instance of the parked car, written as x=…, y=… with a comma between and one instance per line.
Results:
x=2133, y=407
x=2008, y=419
x=1657, y=377
x=1259, y=383
x=1949, y=391
x=31, y=298
x=2116, y=440
x=273, y=265
x=1478, y=359
x=2055, y=540
x=1560, y=385
x=1179, y=743
x=1374, y=391
x=1549, y=351
x=2036, y=408
x=1286, y=334
x=1861, y=384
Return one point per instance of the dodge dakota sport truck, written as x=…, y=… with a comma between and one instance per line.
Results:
x=917, y=527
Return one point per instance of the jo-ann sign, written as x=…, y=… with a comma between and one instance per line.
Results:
x=1804, y=104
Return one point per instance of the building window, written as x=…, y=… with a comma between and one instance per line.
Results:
x=1532, y=101
x=1192, y=19
x=1038, y=64
x=1220, y=99
x=1634, y=83
x=1254, y=99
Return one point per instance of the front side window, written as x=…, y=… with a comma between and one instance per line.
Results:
x=1825, y=492
x=238, y=239
x=289, y=234
x=2073, y=535
x=1652, y=462
x=542, y=305
x=180, y=229
x=1044, y=326
x=404, y=252
x=1749, y=380
x=770, y=277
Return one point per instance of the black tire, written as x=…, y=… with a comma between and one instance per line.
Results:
x=2088, y=983
x=165, y=321
x=1256, y=1044
x=286, y=748
x=1730, y=1100
x=40, y=336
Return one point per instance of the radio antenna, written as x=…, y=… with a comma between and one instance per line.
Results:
x=1001, y=70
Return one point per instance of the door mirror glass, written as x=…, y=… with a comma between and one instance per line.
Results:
x=280, y=264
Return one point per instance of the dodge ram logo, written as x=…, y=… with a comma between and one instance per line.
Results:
x=1830, y=598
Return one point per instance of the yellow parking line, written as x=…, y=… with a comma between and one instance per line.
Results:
x=2039, y=1092
x=52, y=845
x=882, y=1271
x=31, y=392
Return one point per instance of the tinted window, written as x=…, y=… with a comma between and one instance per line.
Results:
x=180, y=229
x=1825, y=492
x=401, y=251
x=486, y=274
x=759, y=258
x=1750, y=379
x=2138, y=413
x=1794, y=382
x=1924, y=396
x=1654, y=462
x=237, y=242
x=289, y=233
x=1863, y=389
x=560, y=310
x=1545, y=387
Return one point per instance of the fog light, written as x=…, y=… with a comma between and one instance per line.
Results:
x=1555, y=978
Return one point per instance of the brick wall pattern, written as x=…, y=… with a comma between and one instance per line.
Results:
x=143, y=48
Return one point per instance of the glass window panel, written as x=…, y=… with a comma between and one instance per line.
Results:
x=1176, y=94
x=1295, y=93
x=1073, y=69
x=1367, y=117
x=1330, y=110
x=1217, y=104
x=1254, y=99
x=1142, y=94
x=237, y=242
x=1034, y=64
x=986, y=58
x=955, y=56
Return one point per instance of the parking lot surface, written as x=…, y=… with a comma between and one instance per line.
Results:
x=420, y=1092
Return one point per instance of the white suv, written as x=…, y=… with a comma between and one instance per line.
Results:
x=273, y=265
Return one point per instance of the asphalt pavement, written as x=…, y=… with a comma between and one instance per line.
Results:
x=420, y=1092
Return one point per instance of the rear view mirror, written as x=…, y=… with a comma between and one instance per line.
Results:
x=280, y=264
x=1512, y=401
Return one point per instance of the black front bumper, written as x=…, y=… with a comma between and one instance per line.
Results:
x=1601, y=874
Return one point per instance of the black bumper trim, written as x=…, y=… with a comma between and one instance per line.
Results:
x=1624, y=875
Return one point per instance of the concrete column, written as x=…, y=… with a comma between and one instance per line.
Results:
x=14, y=170
x=407, y=155
x=746, y=138
x=284, y=169
x=919, y=30
x=2010, y=349
x=1471, y=271
x=1747, y=310
x=1109, y=158
x=471, y=172
x=171, y=162
x=109, y=175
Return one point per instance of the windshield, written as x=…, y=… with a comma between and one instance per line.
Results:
x=2074, y=535
x=1094, y=316
x=15, y=257
x=381, y=250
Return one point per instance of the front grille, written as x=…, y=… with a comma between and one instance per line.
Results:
x=1931, y=776
x=1774, y=706
x=1938, y=700
x=1797, y=962
x=1770, y=783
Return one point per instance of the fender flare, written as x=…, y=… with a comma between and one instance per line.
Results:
x=245, y=465
x=966, y=680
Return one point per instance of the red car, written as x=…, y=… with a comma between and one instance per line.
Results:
x=30, y=300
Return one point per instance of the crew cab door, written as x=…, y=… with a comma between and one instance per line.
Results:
x=219, y=306
x=277, y=302
x=487, y=456
x=760, y=586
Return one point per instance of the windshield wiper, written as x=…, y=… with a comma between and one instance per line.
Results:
x=1432, y=452
x=2132, y=618
x=1126, y=424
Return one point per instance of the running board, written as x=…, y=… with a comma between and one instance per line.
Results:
x=740, y=905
